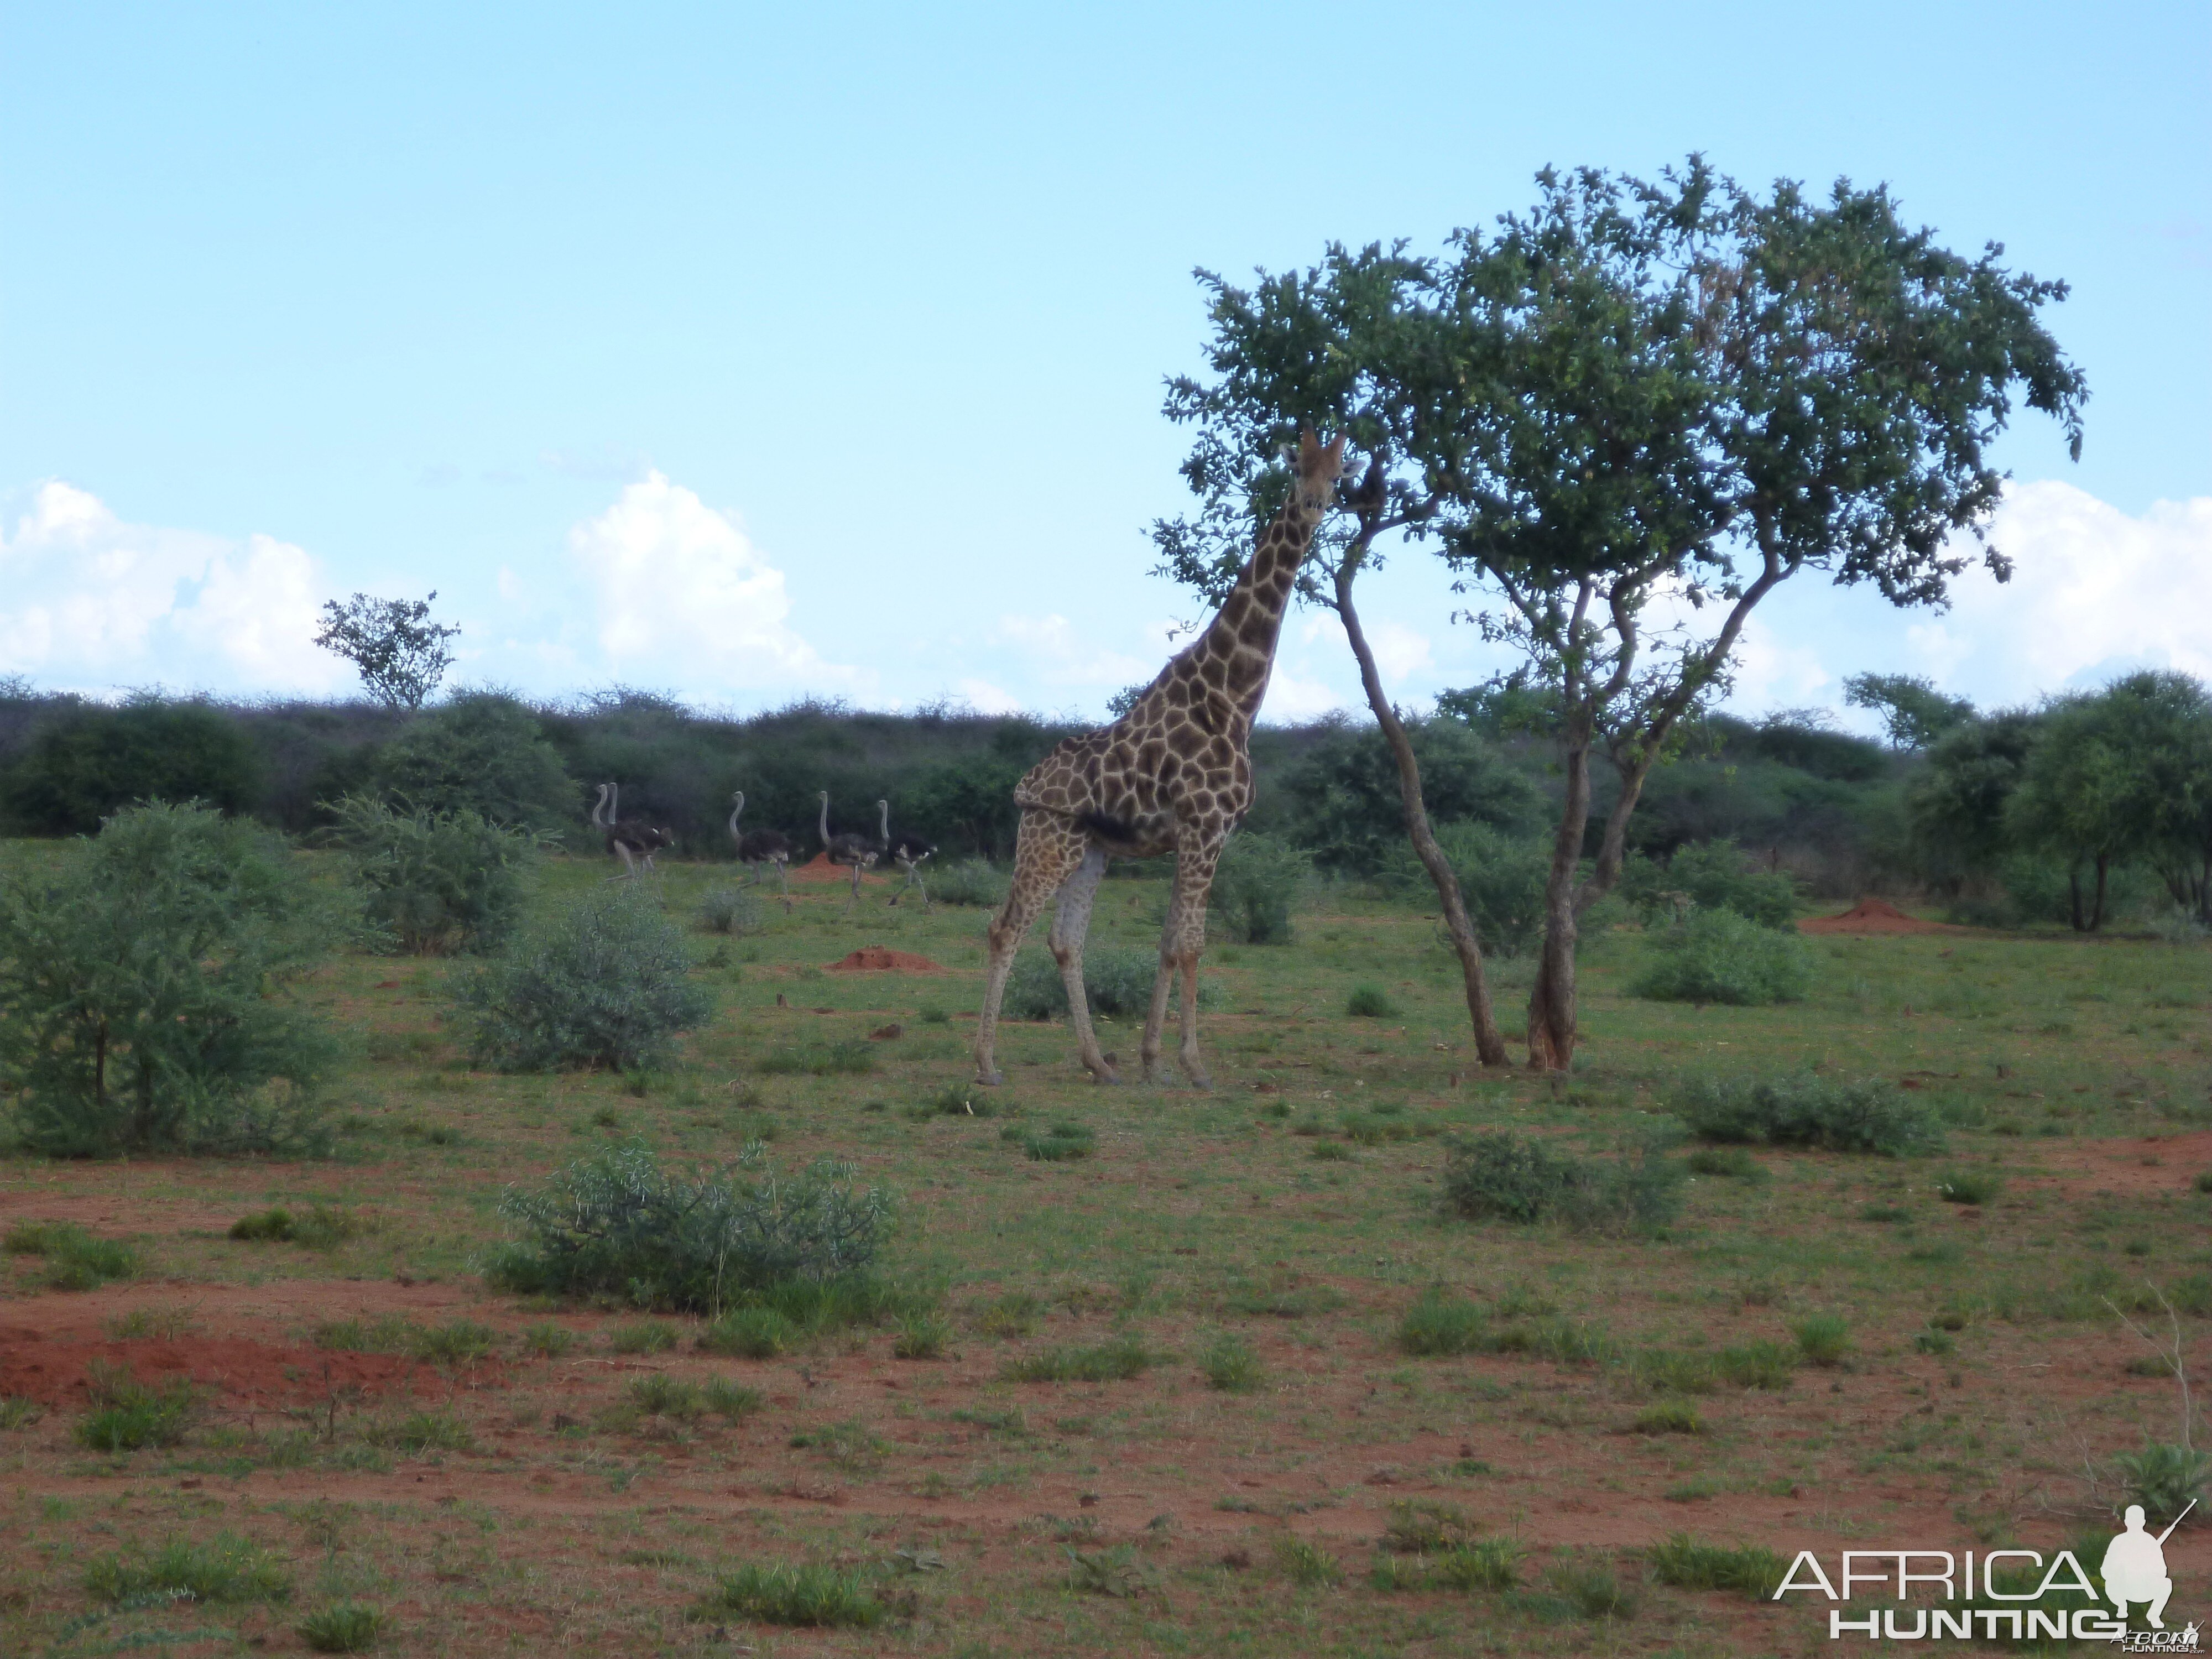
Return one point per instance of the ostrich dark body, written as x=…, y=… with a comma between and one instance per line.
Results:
x=855, y=852
x=628, y=839
x=907, y=851
x=759, y=847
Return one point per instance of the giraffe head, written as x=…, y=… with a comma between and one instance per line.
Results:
x=1320, y=465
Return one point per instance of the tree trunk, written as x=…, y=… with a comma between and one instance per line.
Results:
x=2097, y=910
x=1489, y=1042
x=1552, y=998
x=2073, y=895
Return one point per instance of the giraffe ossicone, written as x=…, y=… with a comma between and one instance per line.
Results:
x=1174, y=775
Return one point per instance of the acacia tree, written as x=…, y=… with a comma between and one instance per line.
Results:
x=1913, y=712
x=1635, y=399
x=400, y=652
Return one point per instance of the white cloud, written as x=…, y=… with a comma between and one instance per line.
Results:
x=1772, y=672
x=988, y=699
x=685, y=599
x=91, y=603
x=2094, y=590
x=1399, y=652
x=1059, y=656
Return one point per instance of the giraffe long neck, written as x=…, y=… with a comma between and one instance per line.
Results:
x=1244, y=632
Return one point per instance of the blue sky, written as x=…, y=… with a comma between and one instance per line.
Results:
x=748, y=353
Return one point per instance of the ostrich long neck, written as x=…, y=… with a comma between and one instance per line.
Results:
x=886, y=808
x=825, y=820
x=736, y=812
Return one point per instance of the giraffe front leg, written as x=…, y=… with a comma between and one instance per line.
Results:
x=1069, y=926
x=1045, y=853
x=1184, y=941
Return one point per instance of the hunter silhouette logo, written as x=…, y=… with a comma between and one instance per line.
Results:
x=2133, y=1569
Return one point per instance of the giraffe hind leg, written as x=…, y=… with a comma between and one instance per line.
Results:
x=1070, y=924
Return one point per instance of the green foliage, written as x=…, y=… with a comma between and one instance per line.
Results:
x=663, y=1395
x=1369, y=1002
x=1755, y=1365
x=1592, y=1591
x=1968, y=1186
x=922, y=1336
x=1669, y=1417
x=1716, y=956
x=731, y=910
x=1342, y=800
x=1422, y=1527
x=732, y=1401
x=605, y=983
x=1306, y=1564
x=344, y=1627
x=127, y=1413
x=1259, y=881
x=1500, y=1175
x=140, y=991
x=1230, y=1364
x=1117, y=982
x=1686, y=1563
x=19, y=1412
x=1487, y=1564
x=1501, y=876
x=971, y=881
x=1122, y=1358
x=1822, y=1339
x=400, y=652
x=2163, y=1479
x=417, y=1431
x=1439, y=1323
x=437, y=882
x=749, y=1334
x=806, y=1596
x=226, y=1568
x=1838, y=1115
x=1062, y=1143
x=851, y=1057
x=638, y=1336
x=93, y=761
x=76, y=1259
x=1714, y=876
x=548, y=1341
x=481, y=753
x=1913, y=712
x=616, y=1223
x=321, y=1228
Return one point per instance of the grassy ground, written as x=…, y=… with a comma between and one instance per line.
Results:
x=445, y=1461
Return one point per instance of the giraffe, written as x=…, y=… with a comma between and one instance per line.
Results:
x=1173, y=774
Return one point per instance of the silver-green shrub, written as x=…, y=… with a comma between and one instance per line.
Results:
x=1260, y=880
x=1718, y=956
x=437, y=882
x=606, y=983
x=1117, y=982
x=143, y=1000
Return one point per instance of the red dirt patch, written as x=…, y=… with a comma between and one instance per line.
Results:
x=2168, y=1163
x=1874, y=915
x=875, y=959
x=54, y=1373
x=818, y=868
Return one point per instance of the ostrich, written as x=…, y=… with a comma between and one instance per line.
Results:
x=763, y=846
x=908, y=852
x=850, y=850
x=628, y=839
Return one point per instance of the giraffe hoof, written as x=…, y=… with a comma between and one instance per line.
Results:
x=991, y=1079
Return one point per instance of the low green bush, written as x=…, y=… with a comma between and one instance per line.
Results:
x=1502, y=877
x=973, y=882
x=639, y=1336
x=1487, y=1564
x=1756, y=1365
x=436, y=883
x=346, y=1627
x=1423, y=1527
x=750, y=1334
x=852, y=1057
x=1369, y=1002
x=127, y=1413
x=922, y=1336
x=417, y=1432
x=1716, y=956
x=1258, y=883
x=1500, y=1175
x=1838, y=1115
x=144, y=1000
x=607, y=983
x=731, y=910
x=617, y=1224
x=1591, y=1590
x=1306, y=1564
x=1117, y=982
x=1682, y=1561
x=321, y=1228
x=1968, y=1186
x=805, y=1595
x=1707, y=876
x=1116, y=1360
x=76, y=1259
x=1440, y=1323
x=226, y=1568
x=1822, y=1339
x=1062, y=1143
x=1230, y=1364
x=2163, y=1479
x=1669, y=1417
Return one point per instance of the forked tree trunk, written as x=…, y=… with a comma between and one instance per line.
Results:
x=1552, y=998
x=1489, y=1042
